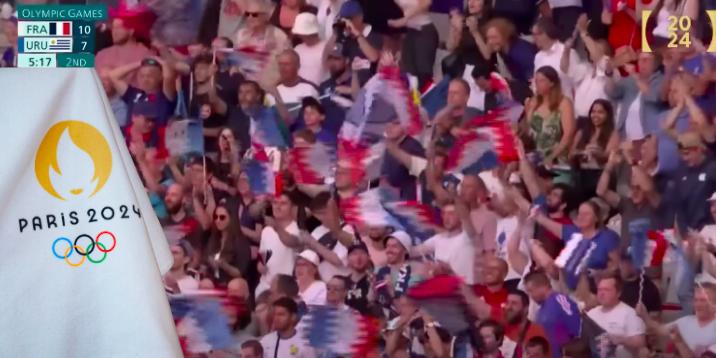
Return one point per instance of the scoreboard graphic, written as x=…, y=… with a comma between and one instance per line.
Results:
x=57, y=35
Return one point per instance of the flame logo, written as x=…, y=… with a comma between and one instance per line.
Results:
x=91, y=143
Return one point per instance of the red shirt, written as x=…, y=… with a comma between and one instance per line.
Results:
x=496, y=300
x=513, y=331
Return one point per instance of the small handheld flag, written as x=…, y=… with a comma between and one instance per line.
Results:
x=340, y=331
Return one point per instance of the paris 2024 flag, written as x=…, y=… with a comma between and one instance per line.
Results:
x=83, y=250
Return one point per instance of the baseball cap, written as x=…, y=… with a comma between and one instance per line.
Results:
x=350, y=8
x=403, y=238
x=310, y=256
x=305, y=24
x=690, y=140
x=358, y=245
x=146, y=109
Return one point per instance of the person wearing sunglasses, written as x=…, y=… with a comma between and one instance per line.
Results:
x=260, y=35
x=228, y=255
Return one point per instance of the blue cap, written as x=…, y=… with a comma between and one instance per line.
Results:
x=350, y=8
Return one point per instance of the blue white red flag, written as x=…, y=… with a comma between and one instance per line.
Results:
x=251, y=60
x=472, y=152
x=266, y=128
x=363, y=160
x=434, y=97
x=441, y=297
x=417, y=219
x=366, y=209
x=201, y=323
x=649, y=249
x=574, y=257
x=369, y=116
x=397, y=90
x=312, y=164
x=340, y=331
x=259, y=169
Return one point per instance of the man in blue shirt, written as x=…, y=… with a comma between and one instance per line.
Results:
x=558, y=314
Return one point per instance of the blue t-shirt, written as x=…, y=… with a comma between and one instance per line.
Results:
x=165, y=106
x=606, y=241
x=560, y=318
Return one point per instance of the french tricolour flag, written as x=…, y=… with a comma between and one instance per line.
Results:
x=312, y=164
x=649, y=250
x=366, y=209
x=201, y=323
x=574, y=257
x=60, y=28
x=418, y=219
x=340, y=331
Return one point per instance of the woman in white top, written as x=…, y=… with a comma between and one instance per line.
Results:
x=421, y=39
x=310, y=287
x=665, y=9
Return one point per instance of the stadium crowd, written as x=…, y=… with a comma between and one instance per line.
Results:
x=586, y=229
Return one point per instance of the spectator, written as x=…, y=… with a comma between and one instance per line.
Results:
x=520, y=329
x=493, y=290
x=291, y=87
x=9, y=56
x=453, y=247
x=360, y=44
x=119, y=108
x=637, y=287
x=421, y=40
x=492, y=335
x=551, y=50
x=228, y=254
x=250, y=106
x=624, y=329
x=394, y=173
x=638, y=96
x=621, y=17
x=595, y=140
x=285, y=341
x=186, y=226
x=311, y=49
x=227, y=161
x=558, y=314
x=228, y=77
x=517, y=54
x=278, y=241
x=177, y=279
x=693, y=333
x=537, y=347
x=474, y=193
x=261, y=36
x=565, y=14
x=310, y=287
x=252, y=349
x=337, y=288
x=465, y=40
x=286, y=12
x=698, y=174
x=155, y=85
x=339, y=80
x=550, y=117
x=314, y=117
x=125, y=49
x=393, y=279
x=638, y=210
x=178, y=23
x=359, y=295
x=327, y=16
x=377, y=237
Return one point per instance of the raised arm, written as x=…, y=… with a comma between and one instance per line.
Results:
x=457, y=22
x=611, y=197
x=117, y=75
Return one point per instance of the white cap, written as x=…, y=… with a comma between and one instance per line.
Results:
x=403, y=238
x=310, y=256
x=712, y=198
x=305, y=24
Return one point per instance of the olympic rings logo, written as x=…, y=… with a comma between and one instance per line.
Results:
x=85, y=251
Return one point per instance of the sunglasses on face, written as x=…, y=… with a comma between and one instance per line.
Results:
x=220, y=217
x=253, y=14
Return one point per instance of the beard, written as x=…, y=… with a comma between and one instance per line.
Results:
x=174, y=208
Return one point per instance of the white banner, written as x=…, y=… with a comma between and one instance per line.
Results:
x=84, y=251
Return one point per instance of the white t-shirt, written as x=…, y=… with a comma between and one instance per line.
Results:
x=294, y=347
x=620, y=321
x=417, y=21
x=280, y=258
x=315, y=294
x=326, y=269
x=552, y=57
x=634, y=130
x=294, y=95
x=709, y=233
x=590, y=87
x=457, y=250
x=327, y=14
x=187, y=284
x=698, y=338
x=505, y=229
x=312, y=68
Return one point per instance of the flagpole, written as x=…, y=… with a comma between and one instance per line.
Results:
x=203, y=159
